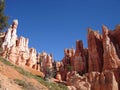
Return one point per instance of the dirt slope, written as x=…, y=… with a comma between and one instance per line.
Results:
x=10, y=79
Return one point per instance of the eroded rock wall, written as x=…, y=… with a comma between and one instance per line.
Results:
x=16, y=50
x=94, y=68
x=99, y=64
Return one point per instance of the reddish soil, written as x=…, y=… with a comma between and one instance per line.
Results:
x=8, y=74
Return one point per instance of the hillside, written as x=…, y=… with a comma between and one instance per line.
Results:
x=13, y=77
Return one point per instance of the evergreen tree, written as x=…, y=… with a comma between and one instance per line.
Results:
x=3, y=17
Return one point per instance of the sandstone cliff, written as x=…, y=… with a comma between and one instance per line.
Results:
x=98, y=65
x=94, y=68
x=16, y=50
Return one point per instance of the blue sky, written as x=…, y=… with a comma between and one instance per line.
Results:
x=53, y=25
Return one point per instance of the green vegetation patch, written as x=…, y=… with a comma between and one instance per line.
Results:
x=25, y=85
x=48, y=84
x=21, y=83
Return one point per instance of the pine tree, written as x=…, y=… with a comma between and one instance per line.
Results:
x=3, y=18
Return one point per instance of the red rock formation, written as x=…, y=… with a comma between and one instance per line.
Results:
x=79, y=83
x=32, y=59
x=74, y=60
x=58, y=66
x=68, y=53
x=110, y=55
x=102, y=81
x=103, y=54
x=95, y=50
x=58, y=76
x=93, y=81
x=13, y=54
x=45, y=61
x=16, y=49
x=66, y=62
x=22, y=44
x=78, y=61
x=99, y=64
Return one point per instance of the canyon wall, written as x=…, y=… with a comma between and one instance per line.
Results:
x=94, y=68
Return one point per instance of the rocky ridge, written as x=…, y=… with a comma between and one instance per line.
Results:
x=92, y=68
x=16, y=50
x=95, y=67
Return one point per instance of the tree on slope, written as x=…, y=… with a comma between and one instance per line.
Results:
x=3, y=17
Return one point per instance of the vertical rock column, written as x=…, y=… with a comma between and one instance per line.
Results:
x=79, y=60
x=95, y=50
x=110, y=55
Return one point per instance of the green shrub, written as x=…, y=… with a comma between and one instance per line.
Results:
x=21, y=83
x=25, y=85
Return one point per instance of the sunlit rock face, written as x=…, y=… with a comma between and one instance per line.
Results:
x=45, y=61
x=16, y=49
x=74, y=60
x=94, y=68
x=79, y=82
x=65, y=65
x=79, y=60
x=99, y=64
x=110, y=55
x=111, y=46
x=95, y=50
x=32, y=58
x=10, y=37
x=9, y=44
x=92, y=81
x=22, y=44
